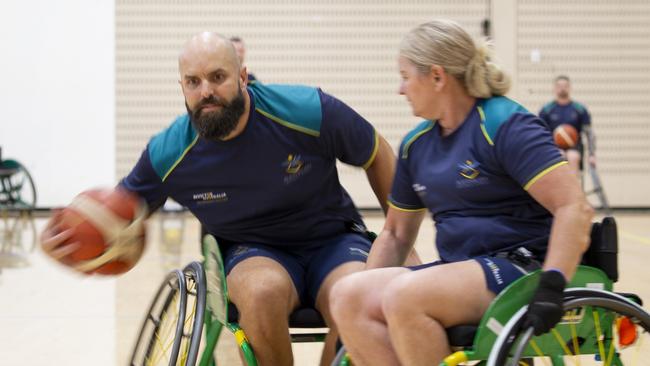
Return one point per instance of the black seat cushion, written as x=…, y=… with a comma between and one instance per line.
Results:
x=461, y=335
x=300, y=318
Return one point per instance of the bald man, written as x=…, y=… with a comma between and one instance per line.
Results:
x=257, y=166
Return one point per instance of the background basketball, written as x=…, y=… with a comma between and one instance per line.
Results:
x=109, y=226
x=565, y=136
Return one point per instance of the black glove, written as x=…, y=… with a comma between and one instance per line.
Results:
x=545, y=309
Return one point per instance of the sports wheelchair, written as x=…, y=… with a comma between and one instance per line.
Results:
x=599, y=327
x=191, y=308
x=17, y=201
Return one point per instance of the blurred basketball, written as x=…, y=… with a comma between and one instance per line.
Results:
x=565, y=136
x=109, y=226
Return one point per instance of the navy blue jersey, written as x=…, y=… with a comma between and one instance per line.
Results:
x=276, y=183
x=573, y=113
x=475, y=180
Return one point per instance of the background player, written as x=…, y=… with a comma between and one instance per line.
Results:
x=565, y=110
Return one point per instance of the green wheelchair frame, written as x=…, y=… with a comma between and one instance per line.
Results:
x=196, y=299
x=589, y=325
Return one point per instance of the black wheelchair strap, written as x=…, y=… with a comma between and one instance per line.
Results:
x=521, y=257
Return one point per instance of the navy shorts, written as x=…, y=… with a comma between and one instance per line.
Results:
x=307, y=265
x=499, y=272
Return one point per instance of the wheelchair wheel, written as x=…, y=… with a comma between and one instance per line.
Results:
x=598, y=328
x=17, y=189
x=342, y=358
x=19, y=232
x=171, y=332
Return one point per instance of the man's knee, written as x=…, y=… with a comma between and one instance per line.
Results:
x=271, y=290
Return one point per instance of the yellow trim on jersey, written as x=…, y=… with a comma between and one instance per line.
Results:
x=482, y=115
x=487, y=137
x=181, y=158
x=374, y=153
x=405, y=209
x=543, y=173
x=289, y=124
x=407, y=145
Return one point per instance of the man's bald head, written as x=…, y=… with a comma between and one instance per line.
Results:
x=214, y=86
x=208, y=47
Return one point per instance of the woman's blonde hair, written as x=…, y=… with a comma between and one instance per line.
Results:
x=445, y=43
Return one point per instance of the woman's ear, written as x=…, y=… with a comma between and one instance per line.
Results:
x=439, y=77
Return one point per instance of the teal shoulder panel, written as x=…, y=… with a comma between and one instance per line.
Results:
x=496, y=111
x=168, y=148
x=548, y=106
x=579, y=107
x=419, y=130
x=294, y=106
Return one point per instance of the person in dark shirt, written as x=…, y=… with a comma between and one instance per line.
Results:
x=564, y=110
x=256, y=164
x=502, y=197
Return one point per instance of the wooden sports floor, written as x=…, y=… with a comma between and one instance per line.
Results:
x=51, y=316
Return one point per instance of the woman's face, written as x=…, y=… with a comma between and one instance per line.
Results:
x=418, y=88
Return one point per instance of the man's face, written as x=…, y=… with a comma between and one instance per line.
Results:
x=214, y=118
x=562, y=89
x=212, y=85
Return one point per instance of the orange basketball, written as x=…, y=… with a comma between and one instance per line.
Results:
x=109, y=226
x=565, y=136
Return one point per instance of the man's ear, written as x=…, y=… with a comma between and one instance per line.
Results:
x=243, y=74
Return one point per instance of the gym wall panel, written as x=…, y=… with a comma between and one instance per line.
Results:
x=348, y=48
x=604, y=46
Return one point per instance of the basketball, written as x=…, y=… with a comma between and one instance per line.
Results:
x=565, y=136
x=109, y=226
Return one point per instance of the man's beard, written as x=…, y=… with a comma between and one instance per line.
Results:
x=216, y=125
x=563, y=94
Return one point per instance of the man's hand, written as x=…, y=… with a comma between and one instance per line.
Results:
x=545, y=309
x=53, y=239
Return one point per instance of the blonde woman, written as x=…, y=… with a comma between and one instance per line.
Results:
x=502, y=197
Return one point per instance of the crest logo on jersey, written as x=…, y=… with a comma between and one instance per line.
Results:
x=469, y=169
x=295, y=167
x=293, y=164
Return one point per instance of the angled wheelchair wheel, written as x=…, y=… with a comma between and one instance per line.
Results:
x=17, y=189
x=342, y=358
x=598, y=328
x=171, y=332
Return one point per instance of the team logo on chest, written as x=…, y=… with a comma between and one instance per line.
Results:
x=469, y=169
x=471, y=176
x=293, y=164
x=294, y=168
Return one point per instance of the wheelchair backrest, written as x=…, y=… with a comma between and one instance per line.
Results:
x=603, y=250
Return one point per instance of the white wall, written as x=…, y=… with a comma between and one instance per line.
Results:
x=57, y=77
